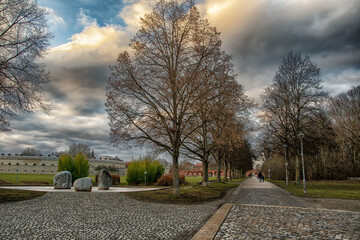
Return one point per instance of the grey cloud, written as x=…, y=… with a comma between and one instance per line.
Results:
x=327, y=31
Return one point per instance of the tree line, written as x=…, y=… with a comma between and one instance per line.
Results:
x=295, y=105
x=176, y=91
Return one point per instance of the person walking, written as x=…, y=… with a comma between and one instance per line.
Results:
x=260, y=176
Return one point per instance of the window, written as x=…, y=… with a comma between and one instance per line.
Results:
x=34, y=170
x=17, y=164
x=34, y=164
x=25, y=164
x=43, y=164
x=9, y=164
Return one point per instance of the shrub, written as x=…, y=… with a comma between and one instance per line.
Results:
x=136, y=171
x=66, y=163
x=81, y=165
x=78, y=168
x=115, y=179
x=167, y=180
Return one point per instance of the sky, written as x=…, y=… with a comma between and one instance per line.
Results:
x=89, y=34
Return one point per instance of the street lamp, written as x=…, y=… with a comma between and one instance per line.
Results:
x=145, y=178
x=301, y=135
x=286, y=167
x=269, y=171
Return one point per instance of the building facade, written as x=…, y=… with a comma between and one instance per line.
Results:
x=49, y=165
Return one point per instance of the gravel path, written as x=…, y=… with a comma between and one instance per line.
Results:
x=99, y=216
x=264, y=211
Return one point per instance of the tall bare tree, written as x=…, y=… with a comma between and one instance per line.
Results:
x=150, y=94
x=292, y=102
x=218, y=83
x=23, y=40
x=345, y=112
x=76, y=148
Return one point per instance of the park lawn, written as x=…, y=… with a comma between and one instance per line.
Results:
x=27, y=179
x=12, y=195
x=189, y=194
x=324, y=189
x=195, y=180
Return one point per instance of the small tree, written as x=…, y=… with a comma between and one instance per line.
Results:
x=79, y=167
x=66, y=163
x=136, y=171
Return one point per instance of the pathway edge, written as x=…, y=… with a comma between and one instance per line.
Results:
x=211, y=227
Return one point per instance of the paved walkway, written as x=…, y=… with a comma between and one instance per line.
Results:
x=265, y=211
x=67, y=215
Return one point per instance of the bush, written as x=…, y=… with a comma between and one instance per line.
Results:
x=115, y=179
x=167, y=180
x=78, y=168
x=136, y=171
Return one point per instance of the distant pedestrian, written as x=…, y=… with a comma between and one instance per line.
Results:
x=263, y=178
x=260, y=176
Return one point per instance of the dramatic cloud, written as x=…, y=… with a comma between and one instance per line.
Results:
x=259, y=33
x=90, y=34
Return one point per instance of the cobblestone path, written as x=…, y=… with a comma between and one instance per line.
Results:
x=99, y=216
x=264, y=211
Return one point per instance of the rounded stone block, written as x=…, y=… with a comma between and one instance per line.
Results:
x=63, y=180
x=104, y=179
x=83, y=184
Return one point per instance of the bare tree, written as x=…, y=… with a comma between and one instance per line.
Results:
x=76, y=148
x=345, y=112
x=150, y=95
x=23, y=40
x=218, y=83
x=30, y=152
x=292, y=102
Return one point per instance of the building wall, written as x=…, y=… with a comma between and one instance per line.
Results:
x=48, y=165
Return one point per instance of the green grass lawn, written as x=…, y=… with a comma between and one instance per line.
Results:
x=324, y=189
x=24, y=179
x=189, y=194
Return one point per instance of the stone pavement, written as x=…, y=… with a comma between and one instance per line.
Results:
x=265, y=211
x=94, y=215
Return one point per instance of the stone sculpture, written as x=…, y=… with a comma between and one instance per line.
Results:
x=104, y=179
x=63, y=180
x=83, y=184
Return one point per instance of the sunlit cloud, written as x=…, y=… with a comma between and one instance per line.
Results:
x=132, y=13
x=85, y=20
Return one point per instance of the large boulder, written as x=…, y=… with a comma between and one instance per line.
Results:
x=104, y=179
x=63, y=180
x=83, y=184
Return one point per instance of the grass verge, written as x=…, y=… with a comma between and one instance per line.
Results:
x=189, y=194
x=27, y=179
x=324, y=189
x=12, y=195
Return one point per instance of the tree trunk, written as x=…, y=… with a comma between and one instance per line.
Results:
x=225, y=171
x=205, y=176
x=218, y=177
x=176, y=182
